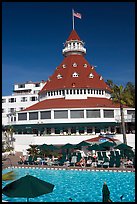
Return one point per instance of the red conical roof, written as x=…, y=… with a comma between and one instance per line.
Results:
x=73, y=36
x=68, y=81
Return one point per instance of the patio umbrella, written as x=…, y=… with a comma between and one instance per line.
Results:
x=27, y=187
x=83, y=143
x=42, y=147
x=105, y=193
x=107, y=144
x=68, y=146
x=123, y=146
x=96, y=147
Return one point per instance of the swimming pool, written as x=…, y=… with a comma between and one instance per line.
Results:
x=80, y=186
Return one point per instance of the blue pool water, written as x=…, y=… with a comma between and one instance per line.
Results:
x=81, y=186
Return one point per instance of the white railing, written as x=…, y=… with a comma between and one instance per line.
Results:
x=127, y=118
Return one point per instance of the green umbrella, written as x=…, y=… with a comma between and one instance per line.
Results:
x=42, y=147
x=123, y=146
x=68, y=146
x=107, y=144
x=105, y=193
x=83, y=143
x=27, y=187
x=51, y=147
x=96, y=147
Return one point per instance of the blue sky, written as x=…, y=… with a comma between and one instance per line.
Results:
x=33, y=34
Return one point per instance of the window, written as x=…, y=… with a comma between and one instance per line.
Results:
x=22, y=116
x=59, y=76
x=12, y=100
x=60, y=114
x=33, y=116
x=33, y=98
x=101, y=77
x=23, y=99
x=37, y=85
x=4, y=100
x=63, y=66
x=74, y=64
x=131, y=112
x=21, y=85
x=77, y=113
x=75, y=74
x=45, y=115
x=12, y=110
x=93, y=113
x=85, y=65
x=91, y=75
x=108, y=113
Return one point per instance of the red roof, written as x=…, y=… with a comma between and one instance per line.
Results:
x=96, y=139
x=68, y=81
x=73, y=36
x=73, y=103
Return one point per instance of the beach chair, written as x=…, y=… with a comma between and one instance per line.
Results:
x=117, y=162
x=112, y=161
x=112, y=153
x=105, y=164
x=100, y=157
x=104, y=155
x=117, y=153
x=99, y=163
x=122, y=154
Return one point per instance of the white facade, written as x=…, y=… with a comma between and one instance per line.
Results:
x=24, y=95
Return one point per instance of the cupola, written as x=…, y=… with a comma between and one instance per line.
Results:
x=73, y=45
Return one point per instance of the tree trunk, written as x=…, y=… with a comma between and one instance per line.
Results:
x=123, y=124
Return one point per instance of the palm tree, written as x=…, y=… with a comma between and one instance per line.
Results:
x=119, y=95
x=130, y=92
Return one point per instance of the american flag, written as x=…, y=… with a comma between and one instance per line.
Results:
x=78, y=15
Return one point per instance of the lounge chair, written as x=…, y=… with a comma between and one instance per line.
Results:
x=112, y=161
x=117, y=162
x=105, y=164
x=117, y=153
x=100, y=163
x=112, y=153
x=100, y=157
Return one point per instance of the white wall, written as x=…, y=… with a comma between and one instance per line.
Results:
x=22, y=141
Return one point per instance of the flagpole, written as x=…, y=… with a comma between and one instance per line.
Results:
x=73, y=18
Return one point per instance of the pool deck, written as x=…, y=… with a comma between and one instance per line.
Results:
x=13, y=162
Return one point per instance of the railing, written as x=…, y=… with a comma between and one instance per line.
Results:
x=127, y=118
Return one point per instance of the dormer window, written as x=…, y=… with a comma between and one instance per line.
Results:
x=85, y=65
x=75, y=74
x=75, y=64
x=63, y=66
x=59, y=76
x=101, y=77
x=91, y=75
